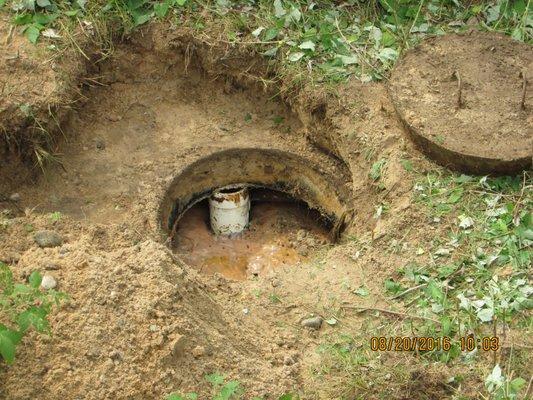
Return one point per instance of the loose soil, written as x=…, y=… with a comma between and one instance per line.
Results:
x=490, y=128
x=141, y=323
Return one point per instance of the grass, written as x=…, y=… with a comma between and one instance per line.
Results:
x=471, y=278
x=322, y=40
x=223, y=390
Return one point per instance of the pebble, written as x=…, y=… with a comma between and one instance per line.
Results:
x=48, y=282
x=100, y=144
x=198, y=351
x=313, y=323
x=51, y=266
x=47, y=239
x=15, y=197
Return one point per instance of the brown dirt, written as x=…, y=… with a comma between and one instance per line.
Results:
x=141, y=323
x=38, y=86
x=489, y=131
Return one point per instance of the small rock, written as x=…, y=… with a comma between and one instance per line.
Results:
x=15, y=197
x=48, y=282
x=115, y=355
x=100, y=144
x=313, y=323
x=246, y=311
x=47, y=239
x=51, y=267
x=198, y=351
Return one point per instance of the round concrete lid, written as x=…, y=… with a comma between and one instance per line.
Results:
x=467, y=101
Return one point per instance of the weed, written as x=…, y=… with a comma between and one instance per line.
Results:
x=222, y=390
x=22, y=307
x=327, y=41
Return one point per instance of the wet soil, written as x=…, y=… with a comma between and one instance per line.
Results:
x=280, y=234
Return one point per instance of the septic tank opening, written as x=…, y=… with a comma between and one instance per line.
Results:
x=282, y=231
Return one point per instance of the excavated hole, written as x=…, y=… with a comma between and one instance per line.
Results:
x=294, y=208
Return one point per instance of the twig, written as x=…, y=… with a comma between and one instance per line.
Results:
x=7, y=39
x=524, y=86
x=400, y=314
x=408, y=291
x=459, y=90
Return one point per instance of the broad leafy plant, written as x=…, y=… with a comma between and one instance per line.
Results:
x=22, y=307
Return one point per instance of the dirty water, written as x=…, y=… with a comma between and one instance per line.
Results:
x=280, y=234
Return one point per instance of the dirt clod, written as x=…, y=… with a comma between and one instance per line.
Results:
x=313, y=323
x=48, y=239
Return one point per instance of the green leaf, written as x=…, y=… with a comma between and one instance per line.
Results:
x=293, y=57
x=7, y=348
x=22, y=19
x=6, y=279
x=516, y=385
x=2, y=3
x=407, y=165
x=270, y=34
x=181, y=2
x=14, y=336
x=215, y=379
x=485, y=314
x=36, y=317
x=362, y=291
x=141, y=18
x=231, y=388
x=161, y=9
x=43, y=19
x=174, y=396
x=307, y=45
x=434, y=291
x=35, y=279
x=43, y=3
x=32, y=32
x=455, y=195
x=279, y=11
x=287, y=397
x=392, y=287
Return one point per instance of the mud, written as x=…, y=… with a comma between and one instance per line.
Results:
x=280, y=235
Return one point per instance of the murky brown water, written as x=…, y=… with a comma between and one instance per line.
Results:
x=280, y=234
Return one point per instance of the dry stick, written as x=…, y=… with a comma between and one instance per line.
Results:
x=526, y=396
x=459, y=89
x=408, y=291
x=524, y=86
x=400, y=314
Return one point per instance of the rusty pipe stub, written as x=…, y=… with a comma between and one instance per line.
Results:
x=229, y=210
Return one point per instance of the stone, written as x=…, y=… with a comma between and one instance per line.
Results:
x=15, y=197
x=313, y=323
x=198, y=351
x=48, y=282
x=47, y=239
x=100, y=144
